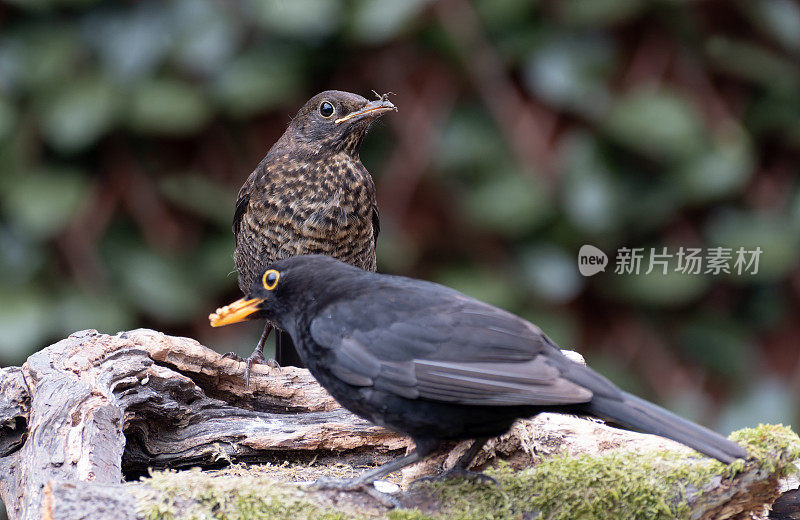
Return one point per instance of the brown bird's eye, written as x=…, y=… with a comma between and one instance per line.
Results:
x=270, y=279
x=326, y=109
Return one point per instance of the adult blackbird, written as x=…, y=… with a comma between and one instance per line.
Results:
x=310, y=194
x=428, y=361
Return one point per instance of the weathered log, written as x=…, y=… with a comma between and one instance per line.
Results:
x=104, y=406
x=88, y=412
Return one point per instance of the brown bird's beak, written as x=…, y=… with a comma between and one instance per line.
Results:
x=240, y=310
x=373, y=108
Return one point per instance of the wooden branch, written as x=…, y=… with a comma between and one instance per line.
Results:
x=88, y=412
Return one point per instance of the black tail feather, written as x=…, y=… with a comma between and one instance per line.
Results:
x=639, y=415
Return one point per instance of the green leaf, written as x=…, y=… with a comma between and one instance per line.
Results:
x=167, y=107
x=551, y=273
x=161, y=286
x=753, y=63
x=795, y=211
x=719, y=344
x=470, y=142
x=258, y=80
x=719, y=172
x=764, y=401
x=8, y=118
x=489, y=285
x=24, y=324
x=21, y=258
x=778, y=19
x=559, y=326
x=502, y=14
x=776, y=112
x=650, y=203
x=656, y=123
x=79, y=113
x=38, y=55
x=396, y=251
x=200, y=195
x=777, y=236
x=591, y=13
x=375, y=21
x=37, y=6
x=654, y=289
x=78, y=310
x=213, y=268
x=302, y=19
x=130, y=39
x=512, y=202
x=591, y=194
x=207, y=35
x=42, y=203
x=572, y=71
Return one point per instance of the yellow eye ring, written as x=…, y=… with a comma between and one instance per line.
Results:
x=270, y=279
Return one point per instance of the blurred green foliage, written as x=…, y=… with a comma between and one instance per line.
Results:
x=126, y=129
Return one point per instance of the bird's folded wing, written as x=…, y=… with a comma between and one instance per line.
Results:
x=241, y=208
x=531, y=383
x=455, y=350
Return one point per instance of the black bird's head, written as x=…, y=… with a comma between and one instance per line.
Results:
x=287, y=287
x=335, y=121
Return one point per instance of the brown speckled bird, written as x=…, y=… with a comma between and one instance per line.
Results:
x=310, y=194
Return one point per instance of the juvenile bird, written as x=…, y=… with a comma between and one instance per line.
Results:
x=428, y=361
x=310, y=194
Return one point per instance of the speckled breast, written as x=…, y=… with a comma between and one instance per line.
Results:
x=307, y=207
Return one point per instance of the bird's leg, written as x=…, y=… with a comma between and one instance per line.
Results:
x=368, y=477
x=273, y=361
x=256, y=357
x=424, y=447
x=285, y=352
x=461, y=467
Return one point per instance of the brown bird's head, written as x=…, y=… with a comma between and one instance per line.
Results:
x=334, y=121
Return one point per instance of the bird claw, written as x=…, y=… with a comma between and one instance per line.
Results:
x=459, y=472
x=255, y=358
x=355, y=484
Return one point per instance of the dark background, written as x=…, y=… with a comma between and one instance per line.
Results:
x=526, y=129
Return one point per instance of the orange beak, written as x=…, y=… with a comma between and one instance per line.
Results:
x=240, y=310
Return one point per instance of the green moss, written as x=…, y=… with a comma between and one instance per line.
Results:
x=233, y=495
x=610, y=486
x=772, y=445
x=613, y=485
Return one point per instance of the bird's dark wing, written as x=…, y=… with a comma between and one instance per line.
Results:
x=376, y=224
x=428, y=342
x=241, y=206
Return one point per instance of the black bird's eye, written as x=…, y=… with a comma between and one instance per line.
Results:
x=326, y=109
x=270, y=279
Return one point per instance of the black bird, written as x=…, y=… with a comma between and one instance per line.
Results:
x=310, y=194
x=428, y=361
